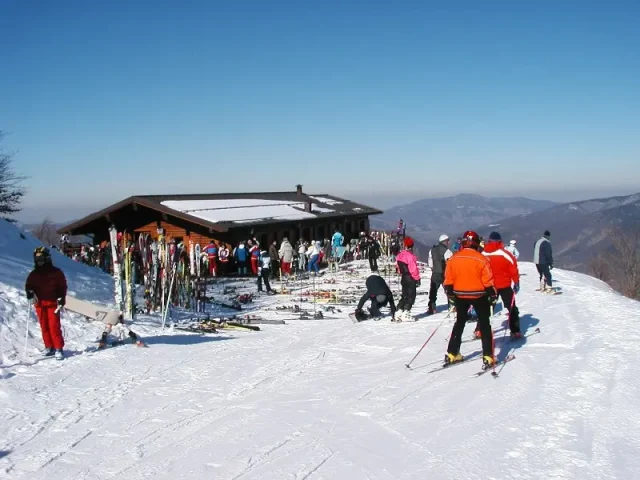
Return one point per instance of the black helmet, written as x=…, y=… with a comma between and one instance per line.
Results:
x=41, y=256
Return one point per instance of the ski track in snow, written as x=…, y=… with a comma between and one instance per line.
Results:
x=333, y=400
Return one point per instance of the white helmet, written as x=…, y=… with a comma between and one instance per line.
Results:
x=444, y=237
x=512, y=242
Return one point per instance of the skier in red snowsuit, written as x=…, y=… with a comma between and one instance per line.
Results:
x=48, y=285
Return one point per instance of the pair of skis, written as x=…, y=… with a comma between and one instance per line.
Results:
x=507, y=359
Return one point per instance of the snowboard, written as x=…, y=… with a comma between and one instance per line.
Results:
x=92, y=311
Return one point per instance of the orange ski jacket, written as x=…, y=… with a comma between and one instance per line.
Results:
x=469, y=273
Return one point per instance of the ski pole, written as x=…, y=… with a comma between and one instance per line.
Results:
x=408, y=365
x=26, y=337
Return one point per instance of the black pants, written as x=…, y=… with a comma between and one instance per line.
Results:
x=264, y=275
x=508, y=296
x=373, y=264
x=374, y=310
x=436, y=281
x=275, y=266
x=483, y=309
x=408, y=293
x=544, y=270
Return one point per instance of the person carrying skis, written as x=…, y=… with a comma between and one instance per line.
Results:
x=47, y=285
x=407, y=266
x=469, y=280
x=379, y=293
x=512, y=249
x=505, y=273
x=438, y=256
x=543, y=258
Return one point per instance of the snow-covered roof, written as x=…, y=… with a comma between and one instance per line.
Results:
x=223, y=211
x=240, y=210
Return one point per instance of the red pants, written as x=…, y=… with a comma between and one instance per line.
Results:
x=213, y=265
x=50, y=324
x=254, y=265
x=286, y=267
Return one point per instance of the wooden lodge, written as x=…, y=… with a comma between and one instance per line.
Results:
x=229, y=217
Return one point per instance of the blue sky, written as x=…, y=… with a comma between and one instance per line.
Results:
x=103, y=100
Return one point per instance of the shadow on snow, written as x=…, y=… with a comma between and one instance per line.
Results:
x=186, y=339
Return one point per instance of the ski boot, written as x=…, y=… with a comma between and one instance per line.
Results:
x=488, y=362
x=47, y=352
x=102, y=343
x=59, y=354
x=431, y=309
x=450, y=359
x=398, y=317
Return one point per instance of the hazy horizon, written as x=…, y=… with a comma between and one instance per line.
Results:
x=383, y=200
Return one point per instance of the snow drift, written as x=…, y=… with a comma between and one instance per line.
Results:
x=329, y=399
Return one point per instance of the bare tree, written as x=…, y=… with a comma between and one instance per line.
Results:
x=11, y=189
x=46, y=232
x=622, y=265
x=599, y=267
x=626, y=245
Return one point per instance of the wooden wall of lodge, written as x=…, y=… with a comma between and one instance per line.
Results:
x=267, y=234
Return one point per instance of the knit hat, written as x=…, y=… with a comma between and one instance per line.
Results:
x=443, y=238
x=495, y=237
x=512, y=242
x=408, y=242
x=547, y=234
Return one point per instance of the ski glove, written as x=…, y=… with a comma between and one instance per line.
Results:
x=30, y=294
x=61, y=302
x=448, y=289
x=516, y=287
x=493, y=296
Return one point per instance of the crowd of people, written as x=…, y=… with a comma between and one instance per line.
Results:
x=474, y=274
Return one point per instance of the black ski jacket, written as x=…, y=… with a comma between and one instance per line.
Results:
x=439, y=263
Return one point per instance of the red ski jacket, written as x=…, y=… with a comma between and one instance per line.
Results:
x=503, y=264
x=47, y=282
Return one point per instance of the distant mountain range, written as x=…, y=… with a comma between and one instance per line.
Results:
x=579, y=230
x=427, y=219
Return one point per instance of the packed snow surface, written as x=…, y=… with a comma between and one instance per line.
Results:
x=323, y=399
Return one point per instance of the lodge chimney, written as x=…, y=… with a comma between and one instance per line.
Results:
x=298, y=189
x=307, y=207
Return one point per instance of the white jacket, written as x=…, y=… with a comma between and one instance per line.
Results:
x=286, y=252
x=512, y=250
x=313, y=250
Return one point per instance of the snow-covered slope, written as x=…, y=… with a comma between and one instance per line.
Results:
x=329, y=399
x=16, y=261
